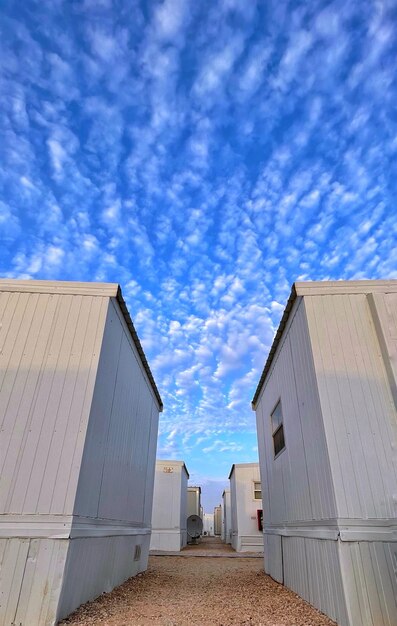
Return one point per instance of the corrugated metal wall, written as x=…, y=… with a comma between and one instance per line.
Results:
x=121, y=439
x=273, y=557
x=370, y=575
x=95, y=565
x=336, y=363
x=49, y=347
x=357, y=405
x=226, y=511
x=38, y=564
x=183, y=516
x=228, y=517
x=233, y=512
x=297, y=485
x=67, y=360
x=325, y=584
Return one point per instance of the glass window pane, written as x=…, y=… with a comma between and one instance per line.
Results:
x=277, y=417
x=278, y=440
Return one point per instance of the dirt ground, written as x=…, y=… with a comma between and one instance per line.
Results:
x=194, y=590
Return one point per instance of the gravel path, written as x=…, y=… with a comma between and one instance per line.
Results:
x=202, y=591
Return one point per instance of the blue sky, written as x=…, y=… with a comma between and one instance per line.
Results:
x=204, y=155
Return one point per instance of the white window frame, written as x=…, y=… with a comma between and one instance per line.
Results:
x=257, y=482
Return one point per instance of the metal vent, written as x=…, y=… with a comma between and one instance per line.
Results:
x=137, y=553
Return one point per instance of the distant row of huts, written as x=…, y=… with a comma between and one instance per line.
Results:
x=79, y=415
x=238, y=520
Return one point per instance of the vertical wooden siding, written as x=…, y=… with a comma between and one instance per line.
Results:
x=49, y=347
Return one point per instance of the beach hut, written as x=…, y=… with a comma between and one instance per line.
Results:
x=246, y=507
x=79, y=413
x=169, y=506
x=327, y=434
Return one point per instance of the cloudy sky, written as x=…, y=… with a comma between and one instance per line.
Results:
x=204, y=155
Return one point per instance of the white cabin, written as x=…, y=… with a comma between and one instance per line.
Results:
x=169, y=506
x=327, y=433
x=218, y=521
x=246, y=507
x=194, y=501
x=226, y=517
x=79, y=411
x=208, y=524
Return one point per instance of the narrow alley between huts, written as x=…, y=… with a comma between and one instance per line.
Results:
x=203, y=585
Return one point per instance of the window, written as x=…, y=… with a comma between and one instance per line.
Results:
x=257, y=491
x=277, y=429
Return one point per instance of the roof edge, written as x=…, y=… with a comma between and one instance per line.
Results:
x=330, y=287
x=63, y=287
x=172, y=462
x=194, y=487
x=138, y=345
x=253, y=464
x=319, y=288
x=292, y=297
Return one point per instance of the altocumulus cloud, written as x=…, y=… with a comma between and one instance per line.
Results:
x=204, y=155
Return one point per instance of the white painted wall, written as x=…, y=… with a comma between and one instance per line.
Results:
x=305, y=493
x=194, y=501
x=245, y=536
x=208, y=524
x=117, y=473
x=169, y=506
x=218, y=520
x=226, y=517
x=357, y=404
x=50, y=346
x=330, y=512
x=78, y=446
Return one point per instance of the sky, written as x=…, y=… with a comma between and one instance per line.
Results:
x=204, y=155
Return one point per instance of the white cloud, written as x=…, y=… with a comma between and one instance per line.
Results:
x=170, y=17
x=204, y=163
